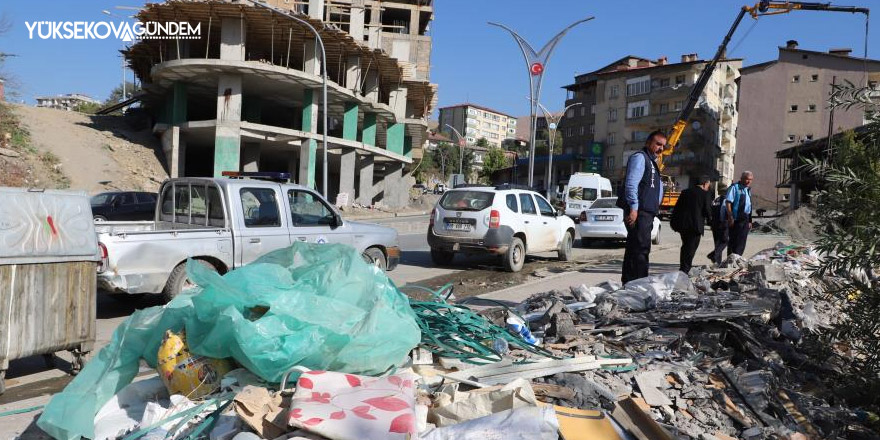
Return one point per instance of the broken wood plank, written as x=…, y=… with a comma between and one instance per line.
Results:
x=505, y=374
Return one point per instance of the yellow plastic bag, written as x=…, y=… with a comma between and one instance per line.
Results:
x=187, y=374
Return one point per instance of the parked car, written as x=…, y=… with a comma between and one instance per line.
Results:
x=503, y=220
x=582, y=189
x=604, y=220
x=439, y=188
x=226, y=223
x=124, y=205
x=421, y=188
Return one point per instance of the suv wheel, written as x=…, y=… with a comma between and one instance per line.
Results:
x=565, y=247
x=441, y=258
x=515, y=256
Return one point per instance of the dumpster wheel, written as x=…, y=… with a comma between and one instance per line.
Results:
x=79, y=361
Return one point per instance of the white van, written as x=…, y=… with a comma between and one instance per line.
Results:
x=582, y=190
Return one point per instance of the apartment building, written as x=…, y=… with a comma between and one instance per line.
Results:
x=624, y=101
x=247, y=94
x=784, y=103
x=69, y=101
x=474, y=122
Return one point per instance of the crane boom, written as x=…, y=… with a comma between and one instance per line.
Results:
x=760, y=9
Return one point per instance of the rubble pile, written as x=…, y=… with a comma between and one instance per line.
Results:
x=719, y=354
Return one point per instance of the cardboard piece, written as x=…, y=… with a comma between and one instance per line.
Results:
x=479, y=403
x=264, y=412
x=582, y=424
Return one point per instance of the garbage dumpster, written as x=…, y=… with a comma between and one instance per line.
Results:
x=48, y=262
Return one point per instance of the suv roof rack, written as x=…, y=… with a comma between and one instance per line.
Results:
x=259, y=175
x=506, y=186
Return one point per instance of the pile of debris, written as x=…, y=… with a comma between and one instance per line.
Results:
x=799, y=224
x=719, y=354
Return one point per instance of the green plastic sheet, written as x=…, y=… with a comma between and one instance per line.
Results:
x=318, y=306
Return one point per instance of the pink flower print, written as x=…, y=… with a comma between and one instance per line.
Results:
x=319, y=397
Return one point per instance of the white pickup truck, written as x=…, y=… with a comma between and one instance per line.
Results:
x=225, y=223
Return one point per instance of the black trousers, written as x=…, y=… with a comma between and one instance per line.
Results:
x=721, y=237
x=638, y=246
x=739, y=233
x=690, y=241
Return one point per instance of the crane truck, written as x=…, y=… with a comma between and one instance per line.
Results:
x=760, y=9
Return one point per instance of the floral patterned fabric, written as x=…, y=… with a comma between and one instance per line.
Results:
x=349, y=407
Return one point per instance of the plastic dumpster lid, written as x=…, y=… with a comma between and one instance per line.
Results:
x=46, y=226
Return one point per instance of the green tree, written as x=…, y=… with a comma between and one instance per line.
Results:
x=88, y=107
x=849, y=227
x=116, y=94
x=493, y=161
x=482, y=143
x=542, y=142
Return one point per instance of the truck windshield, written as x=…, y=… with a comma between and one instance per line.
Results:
x=467, y=200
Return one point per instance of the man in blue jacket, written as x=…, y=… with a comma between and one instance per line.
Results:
x=738, y=213
x=640, y=201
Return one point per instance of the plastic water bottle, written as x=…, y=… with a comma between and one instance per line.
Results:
x=518, y=326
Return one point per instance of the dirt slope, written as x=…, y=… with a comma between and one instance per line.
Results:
x=78, y=151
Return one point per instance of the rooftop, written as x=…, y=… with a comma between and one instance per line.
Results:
x=477, y=106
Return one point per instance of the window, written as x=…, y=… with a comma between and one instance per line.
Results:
x=216, y=215
x=796, y=78
x=610, y=162
x=664, y=82
x=664, y=108
x=198, y=205
x=615, y=91
x=181, y=203
x=679, y=79
x=678, y=105
x=638, y=86
x=528, y=206
x=639, y=136
x=307, y=209
x=637, y=109
x=793, y=108
x=467, y=200
x=789, y=138
x=612, y=115
x=809, y=137
x=581, y=130
x=610, y=138
x=583, y=111
x=814, y=77
x=604, y=204
x=124, y=199
x=811, y=108
x=260, y=207
x=472, y=112
x=511, y=202
x=580, y=193
x=545, y=208
x=145, y=197
x=569, y=114
x=167, y=203
x=592, y=109
x=592, y=129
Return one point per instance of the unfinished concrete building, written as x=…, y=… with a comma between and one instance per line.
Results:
x=246, y=95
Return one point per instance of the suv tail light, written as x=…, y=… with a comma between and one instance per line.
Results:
x=431, y=220
x=583, y=217
x=494, y=219
x=102, y=266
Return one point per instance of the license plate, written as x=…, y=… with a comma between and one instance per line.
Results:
x=604, y=218
x=458, y=227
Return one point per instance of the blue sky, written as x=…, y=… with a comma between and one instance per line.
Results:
x=472, y=61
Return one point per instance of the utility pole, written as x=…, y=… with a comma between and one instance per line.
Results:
x=536, y=63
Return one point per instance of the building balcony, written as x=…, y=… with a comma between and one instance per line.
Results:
x=667, y=92
x=664, y=119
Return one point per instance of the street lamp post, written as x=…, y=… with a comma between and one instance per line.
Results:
x=324, y=77
x=552, y=126
x=121, y=55
x=536, y=63
x=461, y=142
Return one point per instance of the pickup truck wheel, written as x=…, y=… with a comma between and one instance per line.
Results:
x=515, y=256
x=565, y=247
x=178, y=281
x=376, y=257
x=442, y=258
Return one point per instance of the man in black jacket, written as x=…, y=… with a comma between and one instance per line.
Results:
x=689, y=219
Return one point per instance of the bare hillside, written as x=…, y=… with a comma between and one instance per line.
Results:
x=60, y=149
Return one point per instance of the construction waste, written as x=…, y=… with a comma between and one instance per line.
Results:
x=339, y=353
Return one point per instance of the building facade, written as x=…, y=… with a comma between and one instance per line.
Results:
x=624, y=101
x=785, y=103
x=247, y=94
x=67, y=102
x=475, y=122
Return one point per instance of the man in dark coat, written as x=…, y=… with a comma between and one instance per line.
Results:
x=689, y=219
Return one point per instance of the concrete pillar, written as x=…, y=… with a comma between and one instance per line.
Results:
x=371, y=85
x=397, y=102
x=369, y=133
x=232, y=39
x=347, y=163
x=227, y=137
x=375, y=30
x=793, y=197
x=353, y=73
x=365, y=165
x=175, y=152
x=250, y=157
x=350, y=121
x=414, y=21
x=394, y=193
x=312, y=57
x=178, y=107
x=316, y=9
x=356, y=20
x=309, y=148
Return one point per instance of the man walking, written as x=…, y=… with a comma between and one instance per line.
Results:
x=640, y=201
x=719, y=226
x=689, y=220
x=738, y=212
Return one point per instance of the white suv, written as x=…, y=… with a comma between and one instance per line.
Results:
x=503, y=220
